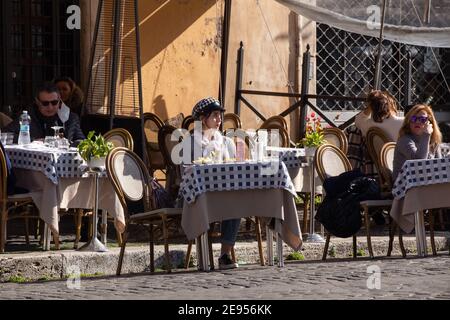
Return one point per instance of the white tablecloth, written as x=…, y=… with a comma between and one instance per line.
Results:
x=53, y=186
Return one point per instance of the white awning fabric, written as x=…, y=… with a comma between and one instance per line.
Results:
x=415, y=22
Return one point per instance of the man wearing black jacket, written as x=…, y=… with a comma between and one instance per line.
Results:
x=48, y=111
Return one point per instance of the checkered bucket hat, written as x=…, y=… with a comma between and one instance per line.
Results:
x=206, y=106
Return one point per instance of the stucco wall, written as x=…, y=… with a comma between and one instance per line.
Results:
x=181, y=53
x=272, y=36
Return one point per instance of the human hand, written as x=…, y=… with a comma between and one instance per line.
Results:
x=429, y=128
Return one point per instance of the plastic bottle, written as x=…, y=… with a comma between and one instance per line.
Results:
x=24, y=133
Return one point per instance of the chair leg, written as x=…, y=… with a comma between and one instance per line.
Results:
x=78, y=218
x=210, y=248
x=119, y=238
x=188, y=255
x=392, y=228
x=3, y=221
x=400, y=241
x=56, y=241
x=152, y=248
x=27, y=230
x=122, y=252
x=354, y=247
x=367, y=222
x=166, y=244
x=433, y=244
x=259, y=239
x=233, y=254
x=305, y=212
x=325, y=249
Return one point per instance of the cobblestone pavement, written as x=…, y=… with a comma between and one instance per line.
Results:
x=412, y=278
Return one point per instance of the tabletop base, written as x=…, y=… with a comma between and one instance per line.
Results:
x=94, y=245
x=314, y=237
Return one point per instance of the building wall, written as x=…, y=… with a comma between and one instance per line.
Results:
x=273, y=39
x=181, y=53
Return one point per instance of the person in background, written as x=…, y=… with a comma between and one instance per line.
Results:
x=214, y=145
x=46, y=112
x=70, y=93
x=419, y=138
x=5, y=120
x=381, y=112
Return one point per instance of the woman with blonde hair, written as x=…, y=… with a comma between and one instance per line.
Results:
x=419, y=137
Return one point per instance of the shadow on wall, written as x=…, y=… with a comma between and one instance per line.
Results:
x=161, y=22
x=160, y=107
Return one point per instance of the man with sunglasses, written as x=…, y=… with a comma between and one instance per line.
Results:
x=48, y=111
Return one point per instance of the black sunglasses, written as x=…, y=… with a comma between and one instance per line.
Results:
x=47, y=103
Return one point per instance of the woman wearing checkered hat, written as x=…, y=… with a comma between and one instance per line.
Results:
x=419, y=137
x=210, y=143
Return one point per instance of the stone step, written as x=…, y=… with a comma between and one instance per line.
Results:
x=60, y=264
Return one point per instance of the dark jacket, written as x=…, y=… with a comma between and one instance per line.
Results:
x=41, y=126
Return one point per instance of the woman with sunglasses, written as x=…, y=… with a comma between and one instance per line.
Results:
x=419, y=137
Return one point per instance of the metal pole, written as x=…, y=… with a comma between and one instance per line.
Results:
x=139, y=73
x=237, y=96
x=115, y=61
x=377, y=79
x=224, y=58
x=313, y=237
x=408, y=74
x=306, y=68
x=93, y=45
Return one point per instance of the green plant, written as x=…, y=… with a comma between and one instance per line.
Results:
x=94, y=147
x=332, y=252
x=360, y=252
x=314, y=132
x=18, y=279
x=295, y=256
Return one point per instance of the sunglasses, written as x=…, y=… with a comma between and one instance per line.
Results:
x=47, y=103
x=421, y=119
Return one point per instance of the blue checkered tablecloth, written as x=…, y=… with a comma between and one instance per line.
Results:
x=53, y=163
x=198, y=179
x=421, y=172
x=292, y=157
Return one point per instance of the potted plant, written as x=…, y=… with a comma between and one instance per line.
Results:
x=94, y=150
x=313, y=137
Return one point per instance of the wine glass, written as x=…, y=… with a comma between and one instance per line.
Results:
x=56, y=129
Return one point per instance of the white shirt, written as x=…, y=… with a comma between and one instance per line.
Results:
x=391, y=126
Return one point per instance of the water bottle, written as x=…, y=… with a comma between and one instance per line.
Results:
x=24, y=133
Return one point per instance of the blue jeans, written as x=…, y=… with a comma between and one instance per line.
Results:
x=229, y=231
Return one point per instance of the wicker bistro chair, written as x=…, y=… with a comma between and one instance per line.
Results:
x=330, y=161
x=17, y=206
x=336, y=137
x=231, y=121
x=152, y=124
x=282, y=132
x=131, y=181
x=120, y=137
x=277, y=120
x=375, y=139
x=188, y=123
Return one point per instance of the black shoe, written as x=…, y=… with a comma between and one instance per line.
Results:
x=226, y=263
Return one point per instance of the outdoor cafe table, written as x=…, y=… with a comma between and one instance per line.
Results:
x=421, y=184
x=217, y=192
x=56, y=181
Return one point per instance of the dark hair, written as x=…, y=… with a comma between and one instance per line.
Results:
x=48, y=87
x=65, y=79
x=381, y=105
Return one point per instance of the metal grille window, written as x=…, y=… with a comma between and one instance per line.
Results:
x=38, y=46
x=345, y=66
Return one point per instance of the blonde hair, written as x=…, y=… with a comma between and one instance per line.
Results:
x=436, y=136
